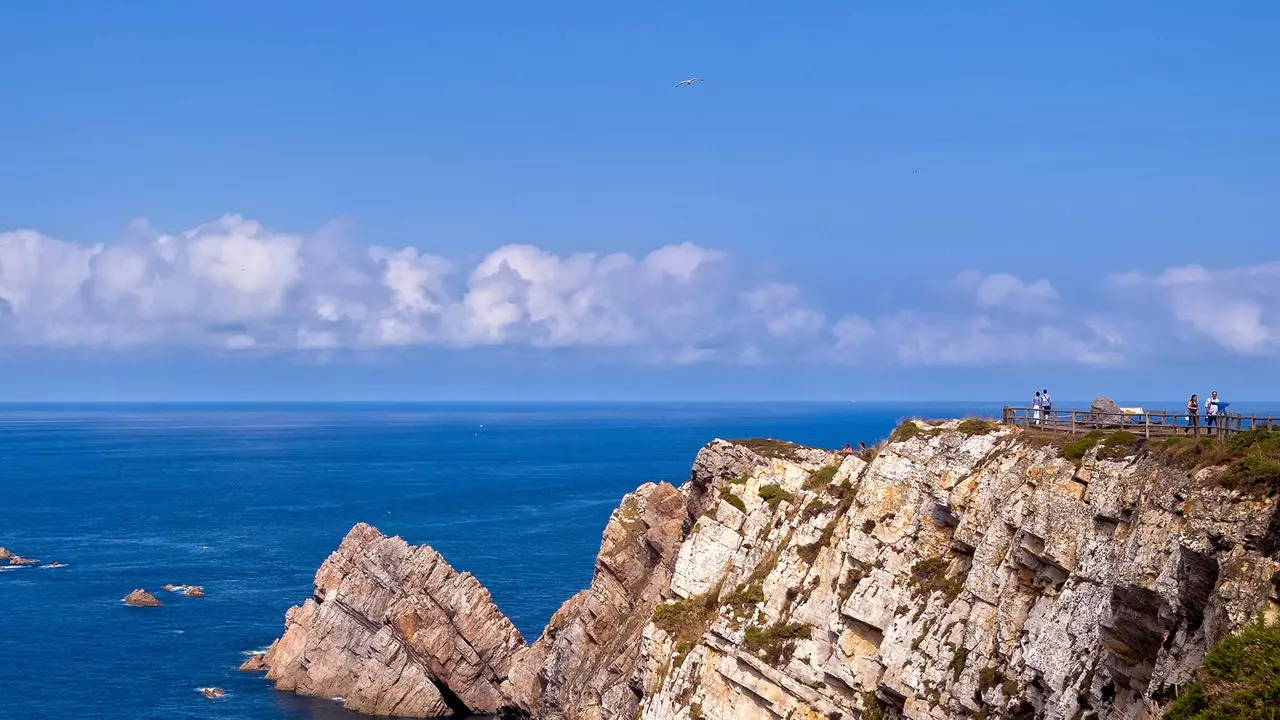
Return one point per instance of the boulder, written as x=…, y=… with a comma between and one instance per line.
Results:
x=169, y=587
x=141, y=598
x=5, y=554
x=213, y=692
x=194, y=591
x=19, y=560
x=1106, y=412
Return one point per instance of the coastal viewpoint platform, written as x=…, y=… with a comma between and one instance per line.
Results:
x=1139, y=421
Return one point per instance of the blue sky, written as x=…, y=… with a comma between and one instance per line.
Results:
x=421, y=200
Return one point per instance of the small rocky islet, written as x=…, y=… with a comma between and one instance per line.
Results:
x=960, y=569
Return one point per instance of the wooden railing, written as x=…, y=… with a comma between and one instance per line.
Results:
x=1147, y=423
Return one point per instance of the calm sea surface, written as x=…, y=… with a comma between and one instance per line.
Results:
x=248, y=500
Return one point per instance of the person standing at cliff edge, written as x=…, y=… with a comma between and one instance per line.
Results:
x=1193, y=417
x=1046, y=405
x=1035, y=409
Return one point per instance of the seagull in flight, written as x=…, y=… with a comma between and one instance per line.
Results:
x=689, y=82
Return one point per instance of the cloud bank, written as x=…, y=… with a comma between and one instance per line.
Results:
x=235, y=286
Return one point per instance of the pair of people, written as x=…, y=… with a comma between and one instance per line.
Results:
x=1041, y=406
x=1212, y=407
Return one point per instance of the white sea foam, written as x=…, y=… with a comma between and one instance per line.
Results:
x=259, y=651
x=53, y=566
x=7, y=568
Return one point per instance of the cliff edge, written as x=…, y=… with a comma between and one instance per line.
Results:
x=962, y=569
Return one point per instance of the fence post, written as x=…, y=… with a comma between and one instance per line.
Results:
x=1073, y=422
x=1146, y=421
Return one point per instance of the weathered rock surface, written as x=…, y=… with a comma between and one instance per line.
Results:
x=952, y=575
x=213, y=693
x=257, y=662
x=386, y=621
x=141, y=598
x=193, y=591
x=5, y=555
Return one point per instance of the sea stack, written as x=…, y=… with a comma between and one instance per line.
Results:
x=141, y=598
x=961, y=569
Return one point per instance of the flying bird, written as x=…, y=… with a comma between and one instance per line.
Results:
x=688, y=82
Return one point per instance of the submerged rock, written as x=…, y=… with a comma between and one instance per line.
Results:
x=141, y=598
x=960, y=572
x=193, y=591
x=212, y=693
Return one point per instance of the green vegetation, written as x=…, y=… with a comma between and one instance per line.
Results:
x=683, y=648
x=819, y=479
x=686, y=620
x=695, y=711
x=774, y=493
x=730, y=497
x=770, y=448
x=873, y=708
x=957, y=663
x=1240, y=679
x=989, y=677
x=1076, y=449
x=907, y=430
x=815, y=508
x=977, y=426
x=930, y=575
x=740, y=480
x=1118, y=445
x=744, y=596
x=777, y=642
x=855, y=575
x=1252, y=458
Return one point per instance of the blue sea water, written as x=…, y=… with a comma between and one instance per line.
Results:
x=248, y=500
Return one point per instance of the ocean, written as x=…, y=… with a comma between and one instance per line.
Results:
x=248, y=500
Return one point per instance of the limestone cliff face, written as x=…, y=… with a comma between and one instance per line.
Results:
x=954, y=575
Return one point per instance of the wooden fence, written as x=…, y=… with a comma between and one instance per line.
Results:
x=1145, y=423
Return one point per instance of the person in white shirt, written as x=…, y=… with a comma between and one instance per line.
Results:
x=1211, y=410
x=1035, y=409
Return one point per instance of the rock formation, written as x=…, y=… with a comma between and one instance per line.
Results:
x=5, y=555
x=141, y=598
x=213, y=693
x=257, y=662
x=193, y=591
x=966, y=570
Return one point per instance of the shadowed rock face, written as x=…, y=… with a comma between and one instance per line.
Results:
x=951, y=576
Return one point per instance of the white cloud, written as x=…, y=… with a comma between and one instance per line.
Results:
x=852, y=331
x=783, y=310
x=1234, y=308
x=234, y=284
x=1001, y=290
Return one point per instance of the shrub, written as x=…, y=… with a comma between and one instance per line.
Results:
x=1076, y=449
x=770, y=448
x=686, y=620
x=957, y=663
x=744, y=595
x=1240, y=679
x=907, y=430
x=776, y=643
x=930, y=575
x=1119, y=444
x=977, y=426
x=774, y=493
x=815, y=508
x=821, y=478
x=989, y=677
x=734, y=500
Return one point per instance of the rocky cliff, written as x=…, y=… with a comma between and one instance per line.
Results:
x=960, y=570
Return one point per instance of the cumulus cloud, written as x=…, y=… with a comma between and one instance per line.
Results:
x=1001, y=290
x=1234, y=308
x=235, y=284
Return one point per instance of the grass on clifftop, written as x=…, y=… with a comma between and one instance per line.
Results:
x=1251, y=458
x=1240, y=680
x=770, y=448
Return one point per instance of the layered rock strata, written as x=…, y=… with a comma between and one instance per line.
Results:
x=960, y=571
